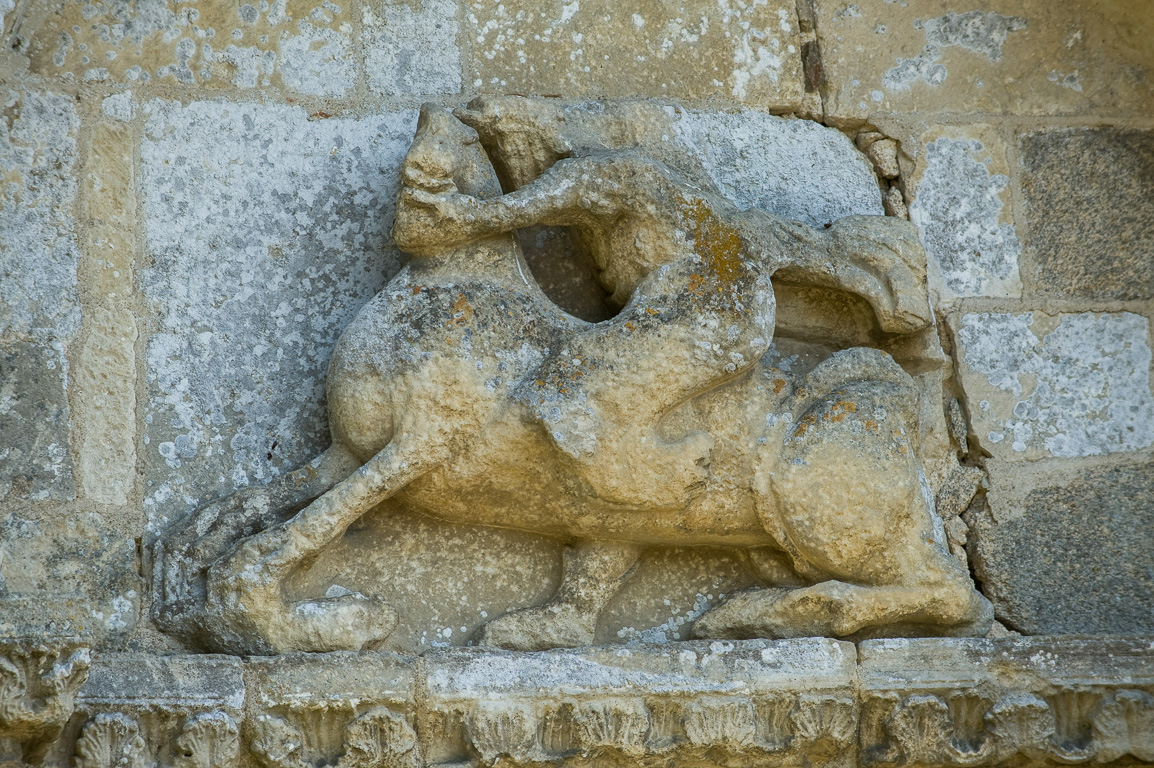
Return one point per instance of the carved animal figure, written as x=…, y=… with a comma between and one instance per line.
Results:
x=463, y=390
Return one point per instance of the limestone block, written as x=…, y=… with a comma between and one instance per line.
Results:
x=757, y=700
x=106, y=379
x=135, y=682
x=71, y=572
x=411, y=48
x=311, y=709
x=1090, y=212
x=1042, y=532
x=748, y=53
x=1010, y=56
x=1065, y=385
x=138, y=708
x=983, y=702
x=961, y=206
x=108, y=205
x=266, y=231
x=304, y=46
x=794, y=168
x=35, y=460
x=39, y=304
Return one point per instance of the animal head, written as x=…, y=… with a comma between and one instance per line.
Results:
x=446, y=156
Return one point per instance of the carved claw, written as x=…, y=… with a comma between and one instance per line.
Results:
x=556, y=625
x=821, y=610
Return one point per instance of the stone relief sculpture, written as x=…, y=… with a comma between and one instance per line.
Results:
x=463, y=390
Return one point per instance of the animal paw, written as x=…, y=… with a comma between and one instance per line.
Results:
x=556, y=625
x=822, y=610
x=350, y=622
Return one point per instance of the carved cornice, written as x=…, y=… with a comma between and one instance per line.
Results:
x=883, y=704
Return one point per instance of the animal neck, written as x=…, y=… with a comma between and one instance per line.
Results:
x=496, y=259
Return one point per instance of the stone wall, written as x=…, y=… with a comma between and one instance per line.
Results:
x=197, y=196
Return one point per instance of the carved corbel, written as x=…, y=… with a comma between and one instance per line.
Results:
x=1124, y=724
x=620, y=724
x=208, y=740
x=823, y=728
x=1022, y=724
x=111, y=741
x=379, y=738
x=38, y=686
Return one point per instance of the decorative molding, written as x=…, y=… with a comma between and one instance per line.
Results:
x=111, y=741
x=39, y=680
x=815, y=702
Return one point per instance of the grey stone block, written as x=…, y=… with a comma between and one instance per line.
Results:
x=266, y=231
x=39, y=305
x=136, y=681
x=35, y=461
x=1070, y=552
x=1090, y=211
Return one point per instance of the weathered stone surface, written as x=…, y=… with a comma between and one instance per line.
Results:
x=1007, y=56
x=1068, y=551
x=266, y=231
x=1041, y=385
x=961, y=206
x=794, y=168
x=411, y=48
x=108, y=206
x=342, y=680
x=105, y=369
x=1090, y=212
x=305, y=46
x=41, y=675
x=984, y=702
x=748, y=53
x=39, y=305
x=106, y=379
x=71, y=573
x=138, y=682
x=747, y=700
x=462, y=392
x=35, y=457
x=972, y=702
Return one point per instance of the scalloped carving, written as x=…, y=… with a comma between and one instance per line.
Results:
x=499, y=728
x=111, y=741
x=209, y=740
x=1124, y=724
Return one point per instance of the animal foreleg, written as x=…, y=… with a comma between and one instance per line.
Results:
x=247, y=587
x=592, y=572
x=185, y=550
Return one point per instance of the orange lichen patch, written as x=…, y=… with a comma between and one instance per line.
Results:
x=651, y=311
x=318, y=115
x=719, y=244
x=630, y=326
x=462, y=311
x=695, y=282
x=839, y=410
x=778, y=385
x=417, y=289
x=870, y=424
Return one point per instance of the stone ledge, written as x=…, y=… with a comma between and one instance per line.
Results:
x=1042, y=700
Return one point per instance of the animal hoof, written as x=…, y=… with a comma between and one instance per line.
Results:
x=539, y=629
x=350, y=622
x=741, y=617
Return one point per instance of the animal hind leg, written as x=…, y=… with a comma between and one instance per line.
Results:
x=846, y=500
x=247, y=587
x=592, y=572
